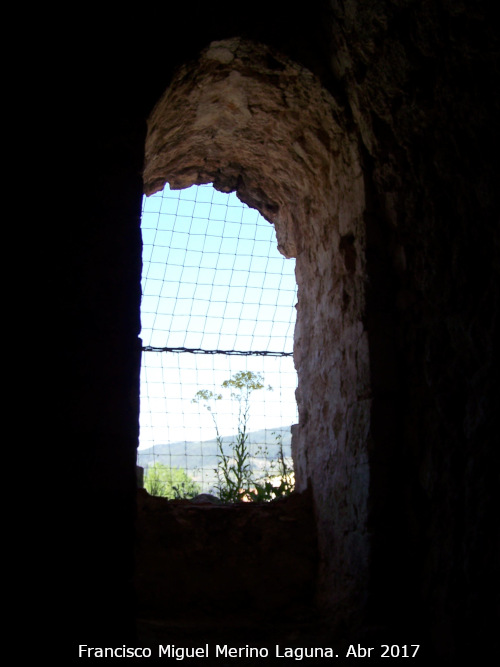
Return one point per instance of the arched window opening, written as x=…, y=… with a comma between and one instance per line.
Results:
x=247, y=119
x=217, y=381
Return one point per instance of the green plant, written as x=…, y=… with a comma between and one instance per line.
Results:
x=279, y=481
x=173, y=483
x=236, y=479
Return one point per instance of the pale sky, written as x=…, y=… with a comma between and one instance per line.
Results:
x=212, y=279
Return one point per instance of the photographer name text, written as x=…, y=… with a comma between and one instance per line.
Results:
x=225, y=651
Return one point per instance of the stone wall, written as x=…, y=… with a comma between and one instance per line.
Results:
x=393, y=348
x=418, y=81
x=199, y=559
x=398, y=366
x=248, y=119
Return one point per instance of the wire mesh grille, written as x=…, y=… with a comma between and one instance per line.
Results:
x=218, y=299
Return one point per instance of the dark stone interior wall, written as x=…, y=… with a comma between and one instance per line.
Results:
x=418, y=85
x=420, y=89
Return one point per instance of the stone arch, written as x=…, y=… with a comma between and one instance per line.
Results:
x=247, y=119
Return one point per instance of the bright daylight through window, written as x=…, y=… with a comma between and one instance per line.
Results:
x=217, y=378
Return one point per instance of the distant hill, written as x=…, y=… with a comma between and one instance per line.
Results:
x=197, y=456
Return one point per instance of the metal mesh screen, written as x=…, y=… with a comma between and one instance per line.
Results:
x=218, y=299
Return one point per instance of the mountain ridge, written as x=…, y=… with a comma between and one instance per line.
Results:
x=202, y=455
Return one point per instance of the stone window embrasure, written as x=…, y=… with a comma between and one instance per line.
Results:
x=249, y=120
